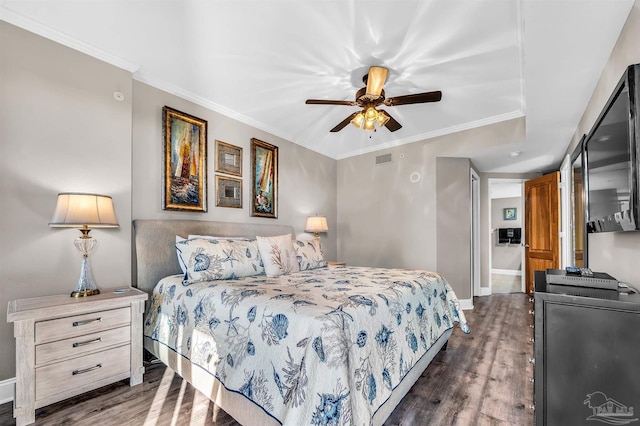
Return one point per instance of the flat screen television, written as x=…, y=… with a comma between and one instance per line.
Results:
x=611, y=160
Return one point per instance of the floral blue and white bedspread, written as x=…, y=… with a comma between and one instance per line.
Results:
x=321, y=347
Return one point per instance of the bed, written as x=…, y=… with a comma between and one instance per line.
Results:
x=322, y=346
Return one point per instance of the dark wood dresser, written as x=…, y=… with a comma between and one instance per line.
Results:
x=587, y=355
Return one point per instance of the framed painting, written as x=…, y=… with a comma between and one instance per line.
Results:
x=228, y=192
x=185, y=161
x=228, y=159
x=510, y=213
x=264, y=179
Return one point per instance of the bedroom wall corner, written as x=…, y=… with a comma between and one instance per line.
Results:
x=307, y=180
x=60, y=130
x=387, y=212
x=453, y=215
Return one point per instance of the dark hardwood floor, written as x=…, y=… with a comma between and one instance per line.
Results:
x=481, y=379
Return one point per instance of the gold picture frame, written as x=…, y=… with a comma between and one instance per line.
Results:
x=264, y=179
x=228, y=192
x=228, y=158
x=185, y=161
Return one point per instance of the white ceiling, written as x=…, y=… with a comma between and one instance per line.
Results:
x=258, y=61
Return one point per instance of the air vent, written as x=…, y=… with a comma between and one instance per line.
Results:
x=384, y=158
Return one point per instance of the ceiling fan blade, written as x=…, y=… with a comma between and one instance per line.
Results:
x=344, y=122
x=417, y=98
x=328, y=102
x=391, y=124
x=375, y=80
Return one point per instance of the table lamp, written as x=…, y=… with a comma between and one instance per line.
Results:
x=316, y=224
x=84, y=211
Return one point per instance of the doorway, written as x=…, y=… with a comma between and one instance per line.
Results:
x=506, y=223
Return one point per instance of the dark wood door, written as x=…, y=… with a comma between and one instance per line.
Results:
x=542, y=218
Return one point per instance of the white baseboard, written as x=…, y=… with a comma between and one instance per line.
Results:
x=466, y=304
x=506, y=272
x=485, y=291
x=7, y=390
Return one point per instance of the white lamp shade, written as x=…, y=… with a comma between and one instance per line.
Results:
x=75, y=210
x=316, y=224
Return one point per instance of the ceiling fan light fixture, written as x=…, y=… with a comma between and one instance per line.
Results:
x=372, y=96
x=369, y=125
x=358, y=120
x=382, y=118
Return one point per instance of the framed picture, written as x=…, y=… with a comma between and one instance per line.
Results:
x=228, y=159
x=510, y=213
x=228, y=192
x=264, y=179
x=185, y=161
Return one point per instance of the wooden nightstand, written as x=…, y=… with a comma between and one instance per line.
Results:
x=66, y=346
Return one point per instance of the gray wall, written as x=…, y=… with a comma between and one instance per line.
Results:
x=60, y=130
x=613, y=252
x=453, y=213
x=307, y=180
x=505, y=256
x=386, y=220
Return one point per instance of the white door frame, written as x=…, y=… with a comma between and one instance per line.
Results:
x=566, y=222
x=475, y=233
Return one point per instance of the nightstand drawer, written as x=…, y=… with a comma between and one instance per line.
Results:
x=80, y=372
x=79, y=325
x=81, y=345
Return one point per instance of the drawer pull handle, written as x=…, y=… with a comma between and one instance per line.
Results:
x=88, y=342
x=85, y=322
x=86, y=370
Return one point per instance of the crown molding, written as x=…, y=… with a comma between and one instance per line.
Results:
x=440, y=132
x=49, y=33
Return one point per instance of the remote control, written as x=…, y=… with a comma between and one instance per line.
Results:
x=573, y=270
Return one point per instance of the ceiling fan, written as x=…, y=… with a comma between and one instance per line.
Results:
x=368, y=98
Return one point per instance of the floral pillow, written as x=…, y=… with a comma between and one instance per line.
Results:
x=278, y=255
x=310, y=254
x=208, y=260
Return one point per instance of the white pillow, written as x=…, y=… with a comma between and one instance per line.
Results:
x=278, y=255
x=310, y=254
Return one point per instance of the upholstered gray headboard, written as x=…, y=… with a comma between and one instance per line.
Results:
x=154, y=250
